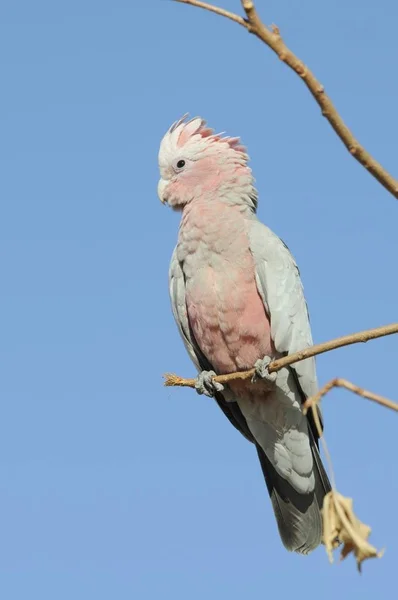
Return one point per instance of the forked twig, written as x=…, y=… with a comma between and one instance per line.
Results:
x=340, y=382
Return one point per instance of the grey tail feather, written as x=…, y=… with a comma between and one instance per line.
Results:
x=322, y=483
x=298, y=515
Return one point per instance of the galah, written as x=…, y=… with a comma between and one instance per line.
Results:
x=238, y=302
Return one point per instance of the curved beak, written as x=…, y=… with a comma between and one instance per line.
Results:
x=161, y=189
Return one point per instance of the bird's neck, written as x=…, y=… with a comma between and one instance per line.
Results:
x=213, y=227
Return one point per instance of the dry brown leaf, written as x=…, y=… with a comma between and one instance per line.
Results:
x=341, y=525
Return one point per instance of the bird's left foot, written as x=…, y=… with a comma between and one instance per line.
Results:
x=262, y=372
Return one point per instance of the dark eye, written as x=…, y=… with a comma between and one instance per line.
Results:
x=180, y=164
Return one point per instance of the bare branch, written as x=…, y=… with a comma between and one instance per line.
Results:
x=276, y=365
x=339, y=382
x=272, y=38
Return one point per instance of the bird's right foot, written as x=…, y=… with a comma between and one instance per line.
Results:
x=206, y=385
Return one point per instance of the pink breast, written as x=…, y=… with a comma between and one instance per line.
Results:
x=227, y=316
x=225, y=311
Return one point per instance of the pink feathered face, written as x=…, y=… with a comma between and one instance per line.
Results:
x=195, y=163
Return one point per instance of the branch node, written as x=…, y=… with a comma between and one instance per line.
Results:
x=302, y=70
x=275, y=30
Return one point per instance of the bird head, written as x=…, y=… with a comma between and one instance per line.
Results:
x=196, y=164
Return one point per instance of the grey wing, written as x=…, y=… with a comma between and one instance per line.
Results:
x=285, y=463
x=280, y=287
x=179, y=307
x=225, y=399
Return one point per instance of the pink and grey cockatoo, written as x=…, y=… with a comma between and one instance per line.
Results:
x=238, y=301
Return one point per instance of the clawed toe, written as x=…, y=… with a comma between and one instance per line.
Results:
x=206, y=385
x=261, y=370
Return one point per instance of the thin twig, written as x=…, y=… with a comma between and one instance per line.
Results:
x=215, y=9
x=272, y=38
x=276, y=365
x=339, y=382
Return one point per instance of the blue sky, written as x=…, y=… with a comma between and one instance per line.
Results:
x=112, y=486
